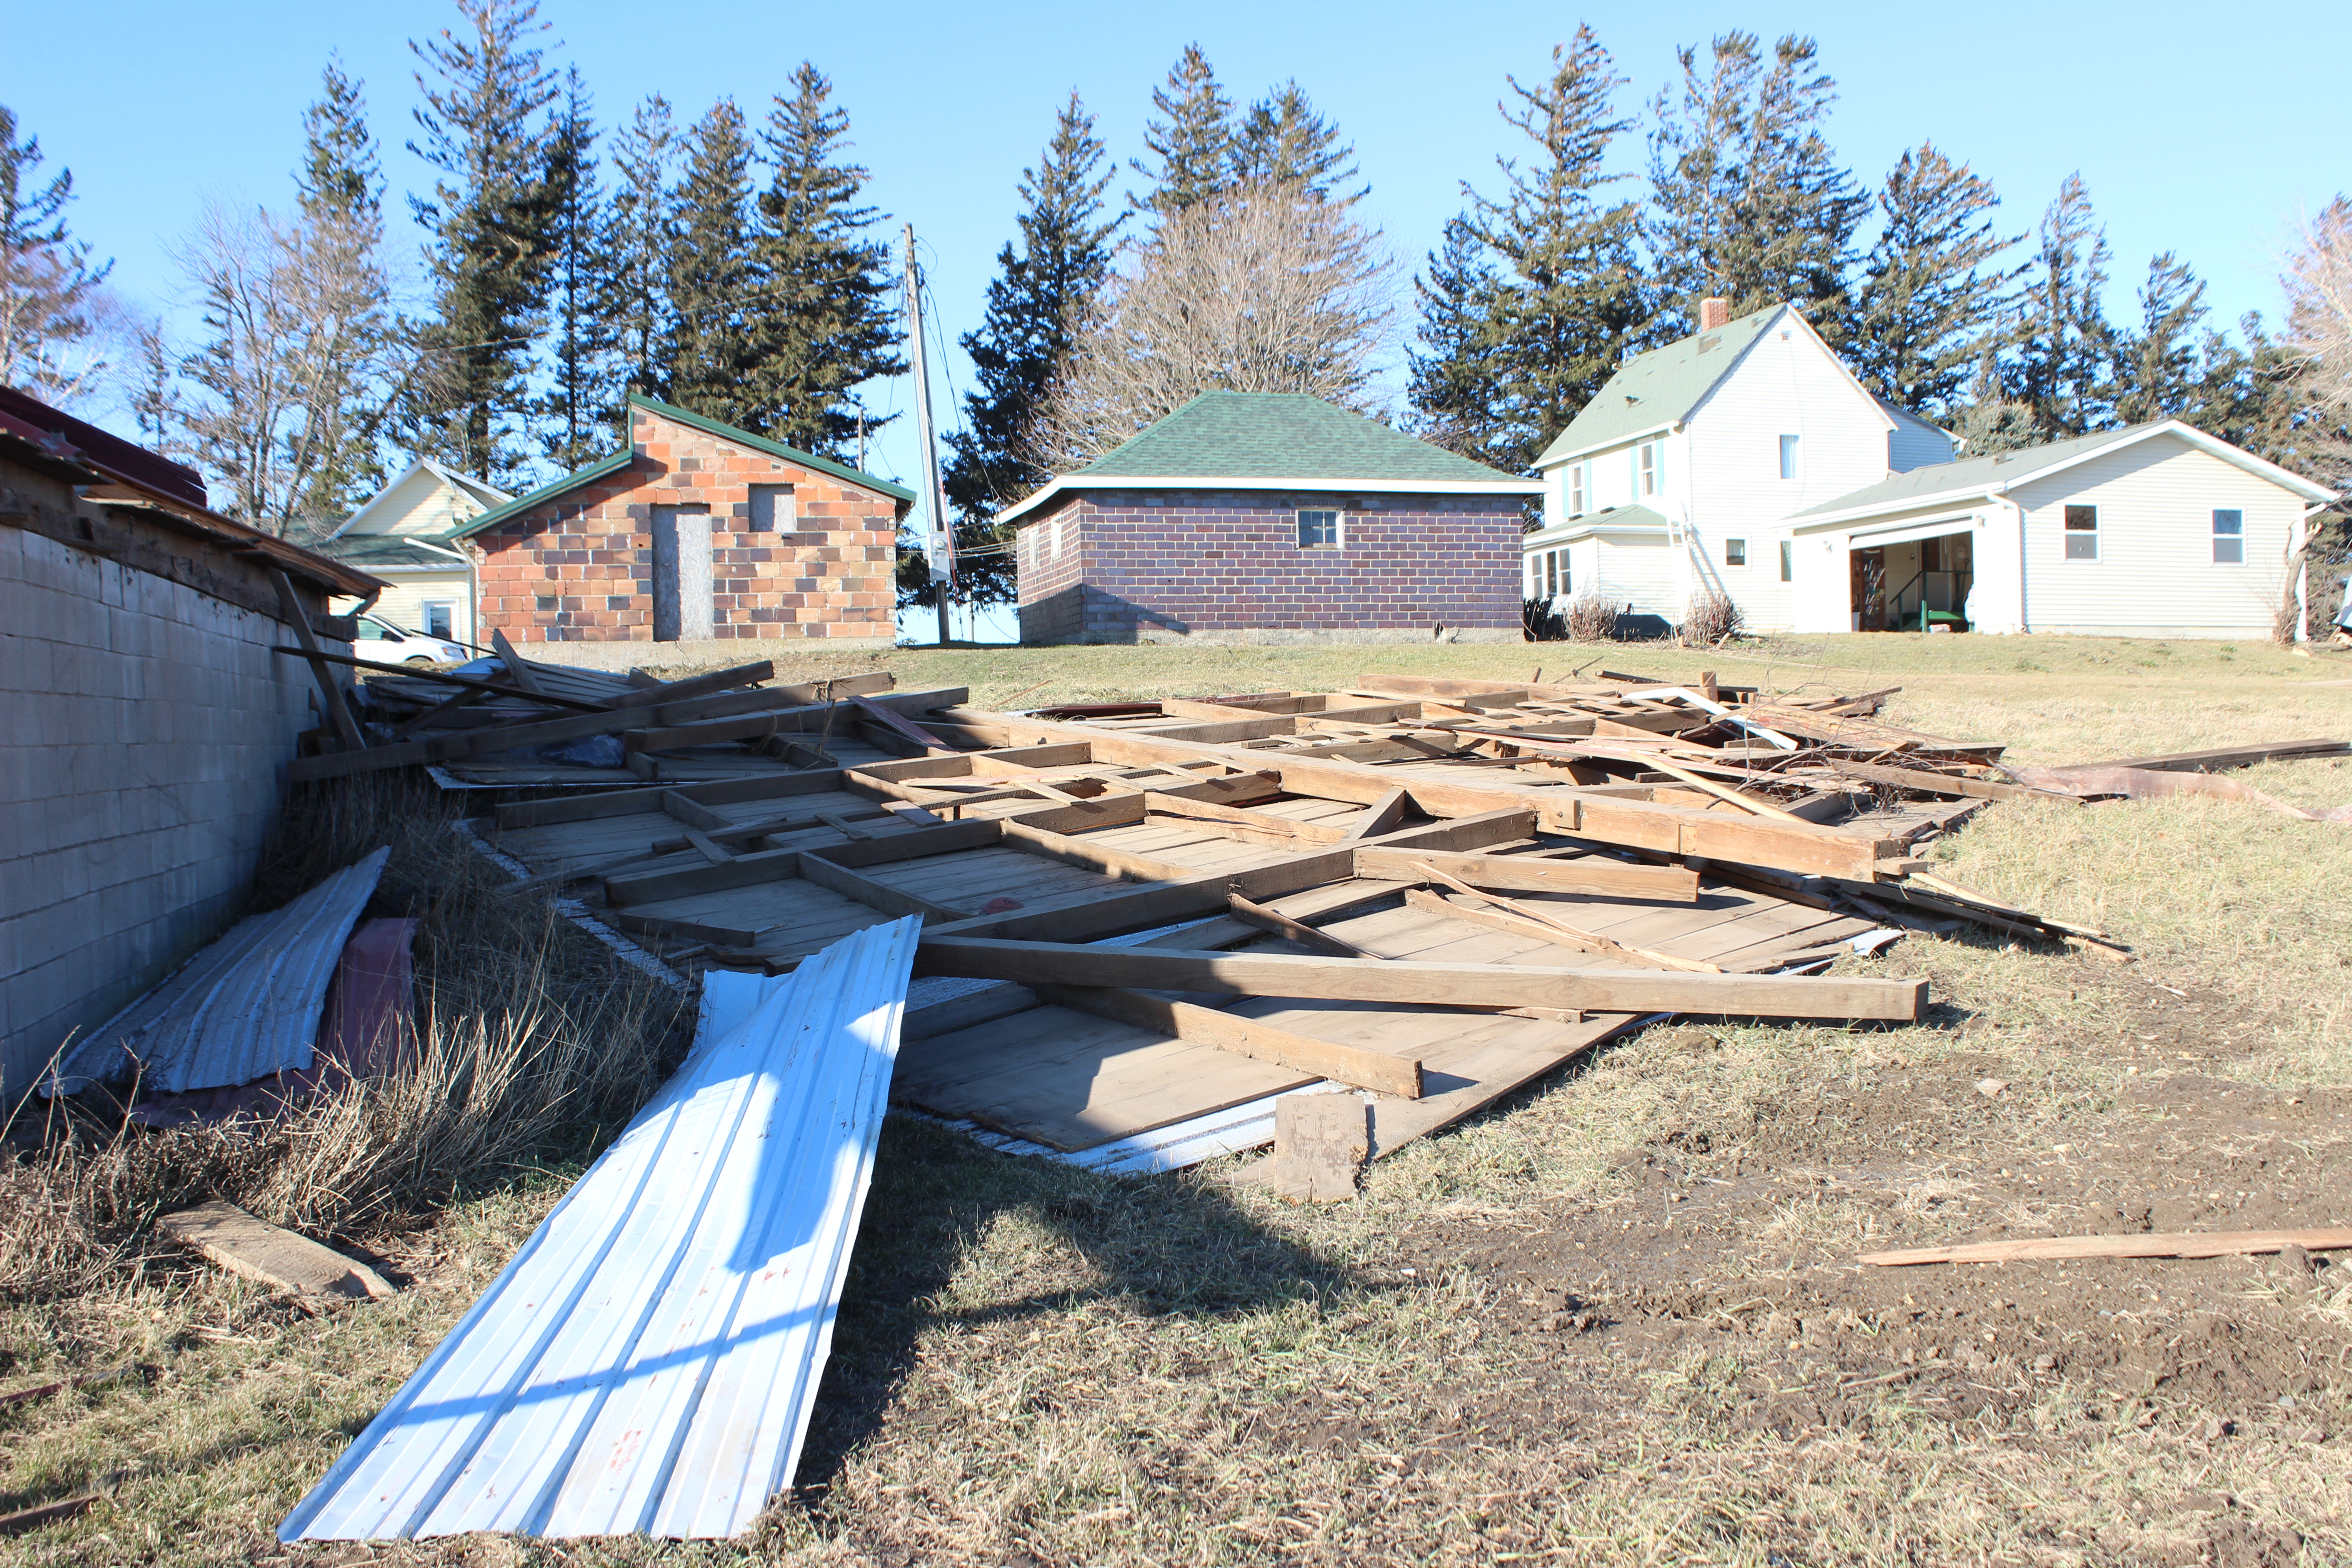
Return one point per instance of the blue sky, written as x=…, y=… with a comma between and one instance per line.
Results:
x=2196, y=131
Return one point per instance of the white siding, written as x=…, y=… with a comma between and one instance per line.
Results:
x=403, y=603
x=2155, y=574
x=1914, y=444
x=420, y=503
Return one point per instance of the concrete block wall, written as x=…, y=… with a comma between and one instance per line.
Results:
x=144, y=727
x=1176, y=566
x=580, y=568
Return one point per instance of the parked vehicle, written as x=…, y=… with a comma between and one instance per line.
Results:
x=392, y=643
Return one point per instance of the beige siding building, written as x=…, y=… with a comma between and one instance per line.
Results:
x=408, y=537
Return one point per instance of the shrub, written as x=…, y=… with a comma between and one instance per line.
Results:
x=1710, y=619
x=1543, y=620
x=1591, y=619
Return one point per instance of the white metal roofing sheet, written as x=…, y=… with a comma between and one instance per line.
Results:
x=243, y=1009
x=648, y=1361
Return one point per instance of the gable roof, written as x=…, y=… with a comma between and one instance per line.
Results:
x=481, y=494
x=1276, y=440
x=1653, y=390
x=619, y=461
x=1608, y=519
x=385, y=551
x=2000, y=471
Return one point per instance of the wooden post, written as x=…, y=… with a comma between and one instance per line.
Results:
x=331, y=695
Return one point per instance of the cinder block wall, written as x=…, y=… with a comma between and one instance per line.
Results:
x=581, y=568
x=1177, y=565
x=144, y=726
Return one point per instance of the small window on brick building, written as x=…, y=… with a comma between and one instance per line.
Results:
x=546, y=601
x=774, y=508
x=1319, y=530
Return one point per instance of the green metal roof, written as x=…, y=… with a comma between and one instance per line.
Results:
x=1967, y=474
x=1283, y=436
x=619, y=461
x=1659, y=387
x=376, y=551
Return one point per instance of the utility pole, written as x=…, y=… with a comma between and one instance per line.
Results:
x=940, y=544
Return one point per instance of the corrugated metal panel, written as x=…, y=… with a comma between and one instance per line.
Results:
x=243, y=1009
x=648, y=1361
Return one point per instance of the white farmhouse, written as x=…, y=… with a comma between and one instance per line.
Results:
x=406, y=535
x=1676, y=477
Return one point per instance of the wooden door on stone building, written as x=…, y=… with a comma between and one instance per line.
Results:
x=681, y=574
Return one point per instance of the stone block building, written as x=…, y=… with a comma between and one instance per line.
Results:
x=1272, y=518
x=697, y=531
x=147, y=721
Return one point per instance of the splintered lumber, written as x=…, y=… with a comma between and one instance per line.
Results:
x=1482, y=985
x=1525, y=920
x=1256, y=826
x=1283, y=926
x=1320, y=1144
x=229, y=1237
x=330, y=695
x=30, y=1518
x=718, y=720
x=1948, y=783
x=1590, y=874
x=442, y=678
x=1380, y=817
x=2218, y=758
x=2178, y=1244
x=1374, y=1071
x=718, y=681
x=882, y=718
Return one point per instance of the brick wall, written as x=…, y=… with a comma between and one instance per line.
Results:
x=581, y=567
x=1179, y=565
x=145, y=725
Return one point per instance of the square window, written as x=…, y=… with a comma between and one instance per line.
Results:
x=1319, y=530
x=437, y=620
x=1734, y=552
x=2229, y=537
x=2082, y=533
x=774, y=509
x=1792, y=458
x=1787, y=562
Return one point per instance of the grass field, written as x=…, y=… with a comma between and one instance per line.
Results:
x=1614, y=1319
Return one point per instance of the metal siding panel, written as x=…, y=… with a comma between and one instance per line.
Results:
x=632, y=1370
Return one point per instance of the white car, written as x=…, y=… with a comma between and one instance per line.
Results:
x=381, y=640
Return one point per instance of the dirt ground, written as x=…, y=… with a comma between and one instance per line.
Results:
x=1616, y=1319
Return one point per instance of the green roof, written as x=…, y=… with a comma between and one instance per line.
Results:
x=1659, y=387
x=619, y=461
x=1282, y=435
x=374, y=552
x=1967, y=474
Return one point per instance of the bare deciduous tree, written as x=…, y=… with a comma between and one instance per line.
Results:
x=2319, y=307
x=1263, y=287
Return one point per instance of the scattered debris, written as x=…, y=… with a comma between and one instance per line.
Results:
x=233, y=1239
x=2188, y=1244
x=137, y=1370
x=1320, y=1144
x=31, y=1519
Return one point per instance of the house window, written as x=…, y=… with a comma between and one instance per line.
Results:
x=1649, y=458
x=1319, y=530
x=1734, y=552
x=437, y=620
x=774, y=509
x=2229, y=538
x=1576, y=490
x=1551, y=574
x=1791, y=458
x=2082, y=533
x=1061, y=535
x=1787, y=562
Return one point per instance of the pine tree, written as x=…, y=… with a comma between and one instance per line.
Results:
x=1934, y=288
x=1193, y=140
x=1453, y=385
x=640, y=241
x=1281, y=139
x=577, y=413
x=1571, y=300
x=490, y=217
x=50, y=292
x=714, y=273
x=2158, y=367
x=828, y=318
x=1753, y=206
x=1036, y=303
x=2065, y=346
x=1990, y=421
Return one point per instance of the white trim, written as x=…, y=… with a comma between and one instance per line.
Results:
x=1648, y=433
x=1071, y=483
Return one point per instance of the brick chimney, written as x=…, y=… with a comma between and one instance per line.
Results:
x=1713, y=313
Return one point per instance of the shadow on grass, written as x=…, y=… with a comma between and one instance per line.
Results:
x=1168, y=1244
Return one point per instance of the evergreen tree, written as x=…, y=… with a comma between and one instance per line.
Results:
x=491, y=217
x=1934, y=290
x=1037, y=303
x=1753, y=204
x=1192, y=140
x=1990, y=421
x=581, y=406
x=1565, y=299
x=714, y=274
x=2160, y=370
x=2066, y=345
x=50, y=292
x=1281, y=139
x=829, y=318
x=640, y=241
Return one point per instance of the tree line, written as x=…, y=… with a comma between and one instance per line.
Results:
x=733, y=266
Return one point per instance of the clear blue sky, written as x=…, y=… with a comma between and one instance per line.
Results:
x=2196, y=130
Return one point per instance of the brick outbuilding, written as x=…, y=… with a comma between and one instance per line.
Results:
x=1249, y=517
x=700, y=529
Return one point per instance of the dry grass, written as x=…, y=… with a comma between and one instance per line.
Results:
x=1038, y=1364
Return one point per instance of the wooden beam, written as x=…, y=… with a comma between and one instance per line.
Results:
x=874, y=895
x=1948, y=783
x=1515, y=918
x=330, y=694
x=2188, y=1244
x=717, y=682
x=1532, y=873
x=689, y=930
x=1289, y=930
x=693, y=813
x=1486, y=986
x=1380, y=817
x=2221, y=757
x=777, y=719
x=517, y=666
x=1262, y=828
x=472, y=688
x=1375, y=1070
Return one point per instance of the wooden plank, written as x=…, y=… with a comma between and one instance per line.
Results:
x=1375, y=1070
x=1320, y=1144
x=2221, y=757
x=281, y=1260
x=472, y=688
x=1094, y=857
x=874, y=895
x=717, y=682
x=777, y=719
x=1532, y=873
x=1289, y=930
x=26, y=1519
x=701, y=845
x=1380, y=817
x=1515, y=918
x=1434, y=984
x=2182, y=1244
x=689, y=930
x=517, y=666
x=1175, y=803
x=1182, y=708
x=693, y=813
x=1948, y=783
x=1226, y=734
x=330, y=694
x=631, y=801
